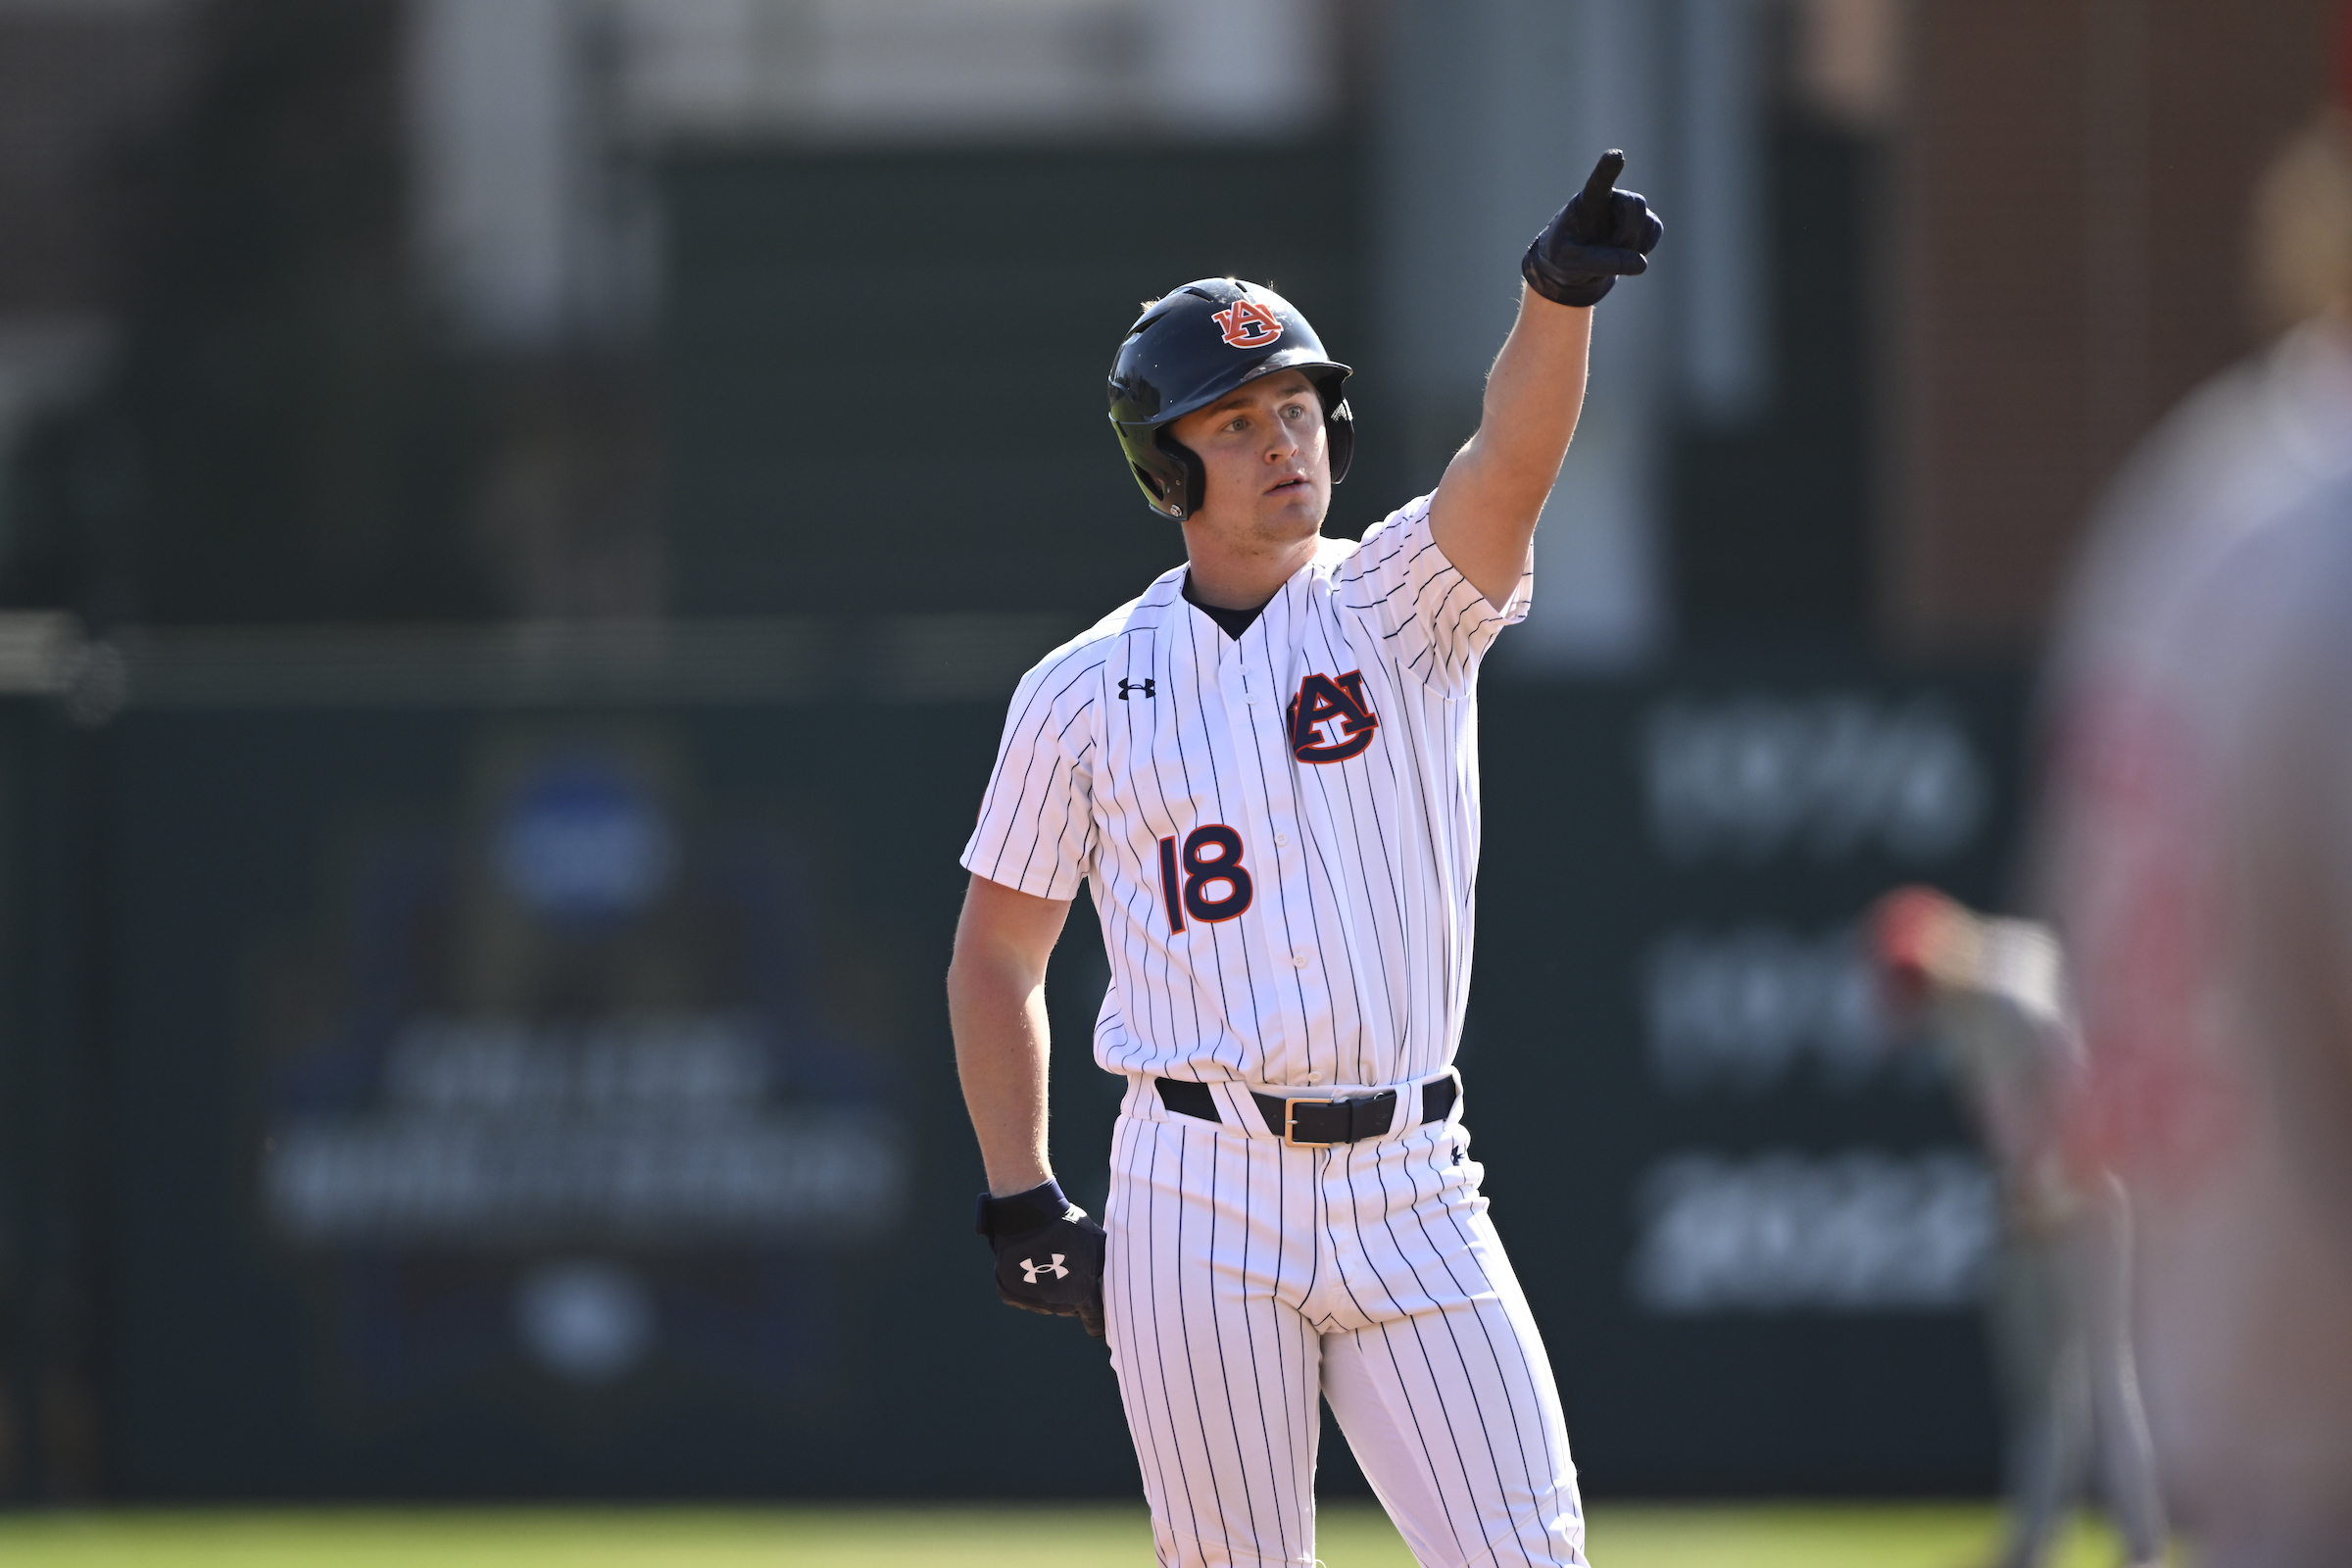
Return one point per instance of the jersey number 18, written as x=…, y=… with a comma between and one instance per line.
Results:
x=1205, y=879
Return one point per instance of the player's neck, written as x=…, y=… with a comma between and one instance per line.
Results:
x=1247, y=576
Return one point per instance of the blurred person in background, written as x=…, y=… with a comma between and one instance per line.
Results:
x=1991, y=997
x=2196, y=853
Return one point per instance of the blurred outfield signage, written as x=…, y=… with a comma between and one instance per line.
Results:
x=1859, y=1232
x=1763, y=778
x=529, y=1074
x=650, y=1130
x=530, y=1064
x=1821, y=775
x=1780, y=1229
x=564, y=1080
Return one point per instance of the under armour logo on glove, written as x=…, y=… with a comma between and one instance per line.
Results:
x=1042, y=1223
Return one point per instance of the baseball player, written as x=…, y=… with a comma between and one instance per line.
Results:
x=1992, y=993
x=1265, y=766
x=2197, y=854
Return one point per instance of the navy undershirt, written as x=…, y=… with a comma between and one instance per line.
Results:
x=1235, y=621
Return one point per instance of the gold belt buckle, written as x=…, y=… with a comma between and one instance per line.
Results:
x=1290, y=1122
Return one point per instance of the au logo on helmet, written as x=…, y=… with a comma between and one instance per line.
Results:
x=1248, y=325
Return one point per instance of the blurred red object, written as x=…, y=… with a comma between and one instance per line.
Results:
x=1915, y=932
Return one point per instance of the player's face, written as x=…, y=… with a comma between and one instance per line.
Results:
x=1268, y=461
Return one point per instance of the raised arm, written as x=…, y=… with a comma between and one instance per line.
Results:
x=1484, y=513
x=996, y=1009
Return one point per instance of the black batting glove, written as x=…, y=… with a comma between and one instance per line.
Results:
x=1603, y=235
x=1049, y=1254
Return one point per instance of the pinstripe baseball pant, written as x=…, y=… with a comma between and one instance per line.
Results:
x=1246, y=1278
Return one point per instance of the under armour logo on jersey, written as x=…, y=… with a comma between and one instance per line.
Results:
x=1248, y=325
x=1031, y=1270
x=1337, y=702
x=1143, y=686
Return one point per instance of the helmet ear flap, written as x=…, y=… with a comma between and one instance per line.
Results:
x=1338, y=431
x=1185, y=496
x=1338, y=421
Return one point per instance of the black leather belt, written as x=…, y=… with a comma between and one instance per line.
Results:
x=1306, y=1122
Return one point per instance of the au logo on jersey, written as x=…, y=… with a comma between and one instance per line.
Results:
x=1330, y=719
x=1247, y=326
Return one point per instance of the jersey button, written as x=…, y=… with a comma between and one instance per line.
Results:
x=1311, y=1079
x=1302, y=957
x=1282, y=841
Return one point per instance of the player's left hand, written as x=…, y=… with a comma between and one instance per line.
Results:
x=1603, y=235
x=1048, y=1253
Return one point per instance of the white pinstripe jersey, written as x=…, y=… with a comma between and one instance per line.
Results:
x=1281, y=830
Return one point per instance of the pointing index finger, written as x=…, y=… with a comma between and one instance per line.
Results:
x=1604, y=181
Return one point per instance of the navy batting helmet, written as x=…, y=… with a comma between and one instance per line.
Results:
x=1190, y=348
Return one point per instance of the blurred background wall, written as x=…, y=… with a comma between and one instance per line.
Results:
x=2076, y=254
x=519, y=519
